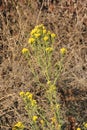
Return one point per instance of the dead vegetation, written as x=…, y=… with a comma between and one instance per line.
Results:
x=68, y=19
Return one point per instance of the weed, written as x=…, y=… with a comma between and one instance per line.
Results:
x=41, y=43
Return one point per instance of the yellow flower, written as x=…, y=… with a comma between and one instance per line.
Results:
x=42, y=122
x=33, y=31
x=46, y=38
x=30, y=96
x=18, y=125
x=35, y=118
x=25, y=50
x=27, y=94
x=53, y=120
x=49, y=33
x=36, y=27
x=41, y=26
x=49, y=82
x=31, y=40
x=63, y=51
x=59, y=126
x=78, y=129
x=22, y=93
x=53, y=35
x=49, y=49
x=58, y=106
x=37, y=35
x=33, y=103
x=52, y=88
x=85, y=125
x=44, y=31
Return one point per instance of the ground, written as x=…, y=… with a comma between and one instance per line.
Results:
x=68, y=19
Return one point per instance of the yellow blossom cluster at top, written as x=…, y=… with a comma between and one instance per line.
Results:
x=39, y=33
x=28, y=98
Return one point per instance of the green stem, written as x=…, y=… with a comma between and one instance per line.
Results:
x=57, y=75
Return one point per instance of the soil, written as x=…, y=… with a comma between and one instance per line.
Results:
x=66, y=18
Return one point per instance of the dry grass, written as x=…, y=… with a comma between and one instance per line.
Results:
x=69, y=21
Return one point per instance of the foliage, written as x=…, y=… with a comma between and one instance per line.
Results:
x=40, y=60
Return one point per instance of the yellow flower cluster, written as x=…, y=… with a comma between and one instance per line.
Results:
x=18, y=126
x=35, y=118
x=57, y=106
x=25, y=50
x=78, y=128
x=44, y=31
x=48, y=82
x=31, y=40
x=53, y=120
x=63, y=51
x=52, y=88
x=46, y=38
x=39, y=33
x=53, y=35
x=28, y=97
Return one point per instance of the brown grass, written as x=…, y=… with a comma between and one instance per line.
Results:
x=69, y=21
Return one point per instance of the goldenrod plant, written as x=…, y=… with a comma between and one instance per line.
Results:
x=40, y=59
x=40, y=55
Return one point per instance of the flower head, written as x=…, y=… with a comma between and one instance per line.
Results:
x=33, y=102
x=49, y=33
x=49, y=49
x=53, y=35
x=48, y=82
x=33, y=31
x=59, y=126
x=57, y=106
x=46, y=38
x=19, y=125
x=52, y=88
x=53, y=120
x=37, y=35
x=44, y=31
x=78, y=128
x=25, y=50
x=35, y=118
x=29, y=95
x=42, y=122
x=31, y=40
x=63, y=51
x=22, y=94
